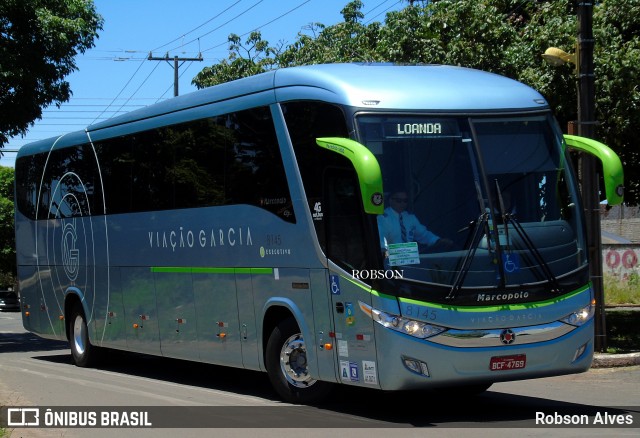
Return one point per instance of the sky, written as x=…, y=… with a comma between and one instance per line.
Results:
x=115, y=76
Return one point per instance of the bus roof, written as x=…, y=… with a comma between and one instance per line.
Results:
x=372, y=86
x=388, y=86
x=404, y=87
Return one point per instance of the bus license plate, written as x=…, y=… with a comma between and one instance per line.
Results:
x=503, y=363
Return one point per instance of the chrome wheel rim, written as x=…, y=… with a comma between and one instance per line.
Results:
x=293, y=362
x=79, y=334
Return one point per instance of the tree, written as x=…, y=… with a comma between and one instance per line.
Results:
x=245, y=59
x=349, y=41
x=38, y=42
x=7, y=233
x=617, y=70
x=501, y=36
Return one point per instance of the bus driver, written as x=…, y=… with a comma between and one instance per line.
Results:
x=397, y=225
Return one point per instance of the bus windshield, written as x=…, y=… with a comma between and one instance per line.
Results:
x=475, y=202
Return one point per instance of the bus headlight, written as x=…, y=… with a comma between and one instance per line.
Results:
x=411, y=327
x=580, y=316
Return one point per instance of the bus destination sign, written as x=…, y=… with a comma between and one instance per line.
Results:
x=420, y=128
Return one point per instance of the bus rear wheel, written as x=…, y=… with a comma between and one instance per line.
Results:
x=84, y=354
x=286, y=360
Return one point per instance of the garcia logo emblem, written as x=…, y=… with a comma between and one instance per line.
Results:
x=507, y=336
x=70, y=252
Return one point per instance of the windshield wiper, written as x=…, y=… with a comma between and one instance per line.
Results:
x=480, y=228
x=508, y=217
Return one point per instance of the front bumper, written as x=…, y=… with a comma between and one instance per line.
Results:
x=454, y=360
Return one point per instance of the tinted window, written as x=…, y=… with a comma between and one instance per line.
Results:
x=307, y=121
x=223, y=160
x=28, y=174
x=70, y=186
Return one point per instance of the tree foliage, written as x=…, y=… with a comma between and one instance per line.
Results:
x=502, y=36
x=38, y=42
x=7, y=233
x=245, y=59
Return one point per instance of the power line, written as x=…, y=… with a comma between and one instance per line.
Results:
x=176, y=66
x=377, y=15
x=120, y=92
x=219, y=27
x=84, y=110
x=196, y=28
x=262, y=25
x=376, y=7
x=138, y=89
x=170, y=86
x=138, y=69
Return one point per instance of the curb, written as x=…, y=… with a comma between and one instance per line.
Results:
x=603, y=360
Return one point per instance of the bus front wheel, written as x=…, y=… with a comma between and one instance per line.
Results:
x=84, y=354
x=286, y=360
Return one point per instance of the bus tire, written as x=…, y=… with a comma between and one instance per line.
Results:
x=286, y=362
x=84, y=354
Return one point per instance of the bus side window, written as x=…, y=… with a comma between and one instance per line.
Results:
x=306, y=121
x=343, y=221
x=222, y=160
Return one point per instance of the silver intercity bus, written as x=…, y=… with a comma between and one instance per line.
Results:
x=391, y=227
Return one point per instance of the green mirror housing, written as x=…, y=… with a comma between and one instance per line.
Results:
x=366, y=166
x=611, y=165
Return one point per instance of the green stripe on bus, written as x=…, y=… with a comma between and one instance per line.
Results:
x=501, y=307
x=371, y=291
x=200, y=270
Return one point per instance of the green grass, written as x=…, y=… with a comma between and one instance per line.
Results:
x=621, y=291
x=623, y=326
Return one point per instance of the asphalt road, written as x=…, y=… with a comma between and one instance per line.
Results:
x=174, y=396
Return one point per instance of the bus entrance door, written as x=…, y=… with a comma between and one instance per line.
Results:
x=345, y=243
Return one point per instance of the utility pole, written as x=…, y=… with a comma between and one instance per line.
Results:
x=588, y=168
x=177, y=63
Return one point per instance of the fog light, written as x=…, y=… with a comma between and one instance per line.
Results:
x=579, y=352
x=416, y=366
x=413, y=365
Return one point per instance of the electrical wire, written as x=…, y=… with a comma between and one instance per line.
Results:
x=219, y=27
x=197, y=27
x=120, y=92
x=376, y=7
x=261, y=26
x=377, y=15
x=139, y=87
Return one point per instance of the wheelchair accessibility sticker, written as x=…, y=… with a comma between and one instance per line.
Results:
x=511, y=263
x=335, y=284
